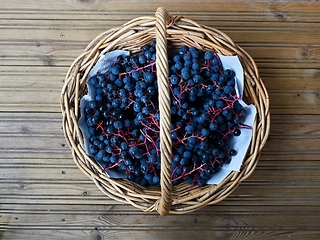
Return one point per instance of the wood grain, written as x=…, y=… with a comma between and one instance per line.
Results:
x=43, y=194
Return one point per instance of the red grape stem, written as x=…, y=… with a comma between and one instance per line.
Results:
x=185, y=173
x=138, y=69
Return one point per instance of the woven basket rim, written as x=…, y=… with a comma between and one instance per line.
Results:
x=178, y=31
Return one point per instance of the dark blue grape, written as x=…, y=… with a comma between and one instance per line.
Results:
x=99, y=98
x=233, y=152
x=205, y=132
x=177, y=58
x=149, y=77
x=214, y=77
x=208, y=55
x=220, y=104
x=156, y=179
x=184, y=162
x=203, y=146
x=187, y=64
x=187, y=57
x=189, y=129
x=137, y=107
x=215, y=152
x=135, y=75
x=198, y=79
x=178, y=65
x=115, y=69
x=144, y=167
x=148, y=55
x=183, y=49
x=142, y=59
x=118, y=125
x=174, y=79
x=237, y=132
x=185, y=75
x=94, y=80
x=119, y=82
x=92, y=104
x=127, y=80
x=151, y=91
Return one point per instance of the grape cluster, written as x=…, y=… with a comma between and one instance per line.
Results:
x=205, y=114
x=123, y=118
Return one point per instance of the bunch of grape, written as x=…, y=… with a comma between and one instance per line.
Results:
x=123, y=119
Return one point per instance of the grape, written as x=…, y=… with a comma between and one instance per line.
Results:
x=237, y=132
x=187, y=155
x=233, y=152
x=119, y=82
x=137, y=107
x=118, y=125
x=174, y=79
x=183, y=49
x=156, y=179
x=142, y=59
x=184, y=162
x=148, y=54
x=219, y=104
x=149, y=77
x=185, y=75
x=198, y=79
x=136, y=75
x=94, y=80
x=92, y=104
x=214, y=77
x=145, y=48
x=177, y=58
x=208, y=55
x=151, y=91
x=115, y=69
x=178, y=66
x=189, y=129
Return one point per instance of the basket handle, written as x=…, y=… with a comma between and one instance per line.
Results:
x=164, y=203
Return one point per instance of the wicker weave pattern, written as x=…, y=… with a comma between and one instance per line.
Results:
x=165, y=116
x=174, y=31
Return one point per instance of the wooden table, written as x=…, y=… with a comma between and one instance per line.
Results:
x=45, y=196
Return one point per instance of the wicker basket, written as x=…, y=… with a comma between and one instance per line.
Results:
x=174, y=31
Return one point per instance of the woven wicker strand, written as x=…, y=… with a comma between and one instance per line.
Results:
x=169, y=32
x=164, y=108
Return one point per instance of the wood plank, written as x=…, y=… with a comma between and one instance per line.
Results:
x=295, y=126
x=238, y=36
x=126, y=209
x=62, y=51
x=95, y=21
x=33, y=143
x=178, y=5
x=123, y=15
x=97, y=234
x=235, y=200
x=31, y=124
x=42, y=172
x=79, y=189
x=128, y=221
x=225, y=226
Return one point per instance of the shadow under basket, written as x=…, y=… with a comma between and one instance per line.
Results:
x=168, y=32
